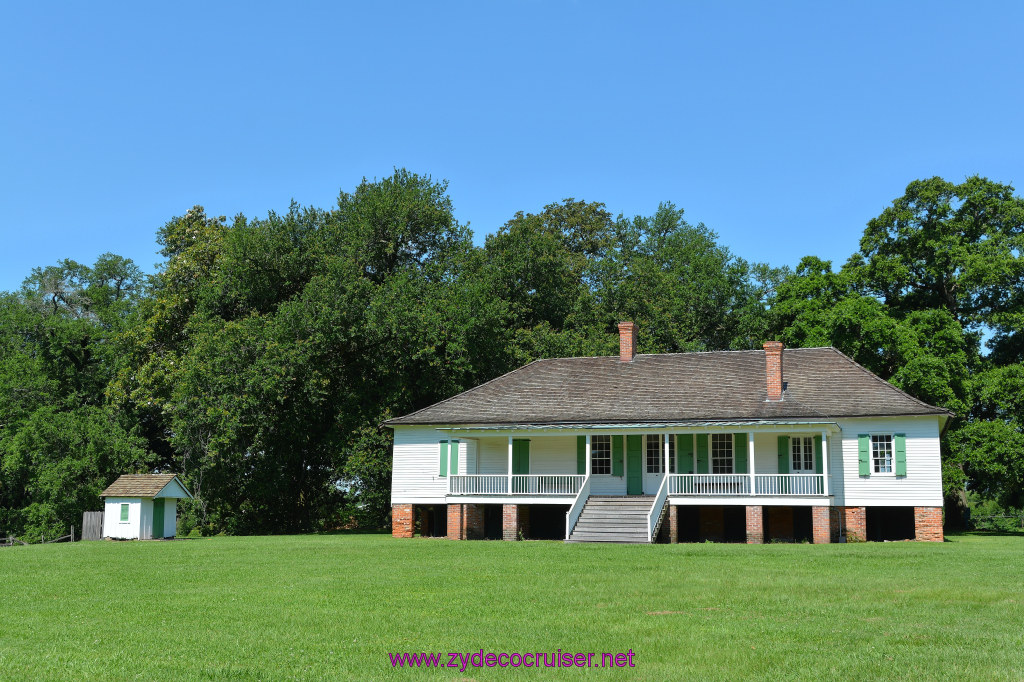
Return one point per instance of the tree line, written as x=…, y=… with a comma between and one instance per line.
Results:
x=261, y=358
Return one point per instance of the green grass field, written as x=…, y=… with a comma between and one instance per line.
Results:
x=332, y=607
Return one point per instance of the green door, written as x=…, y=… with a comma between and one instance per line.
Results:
x=158, y=518
x=634, y=465
x=520, y=456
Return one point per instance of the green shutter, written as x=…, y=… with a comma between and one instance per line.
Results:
x=783, y=454
x=740, y=453
x=616, y=455
x=124, y=513
x=864, y=453
x=901, y=454
x=702, y=453
x=818, y=468
x=684, y=453
x=454, y=467
x=444, y=458
x=581, y=455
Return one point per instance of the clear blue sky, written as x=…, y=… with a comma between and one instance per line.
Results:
x=782, y=126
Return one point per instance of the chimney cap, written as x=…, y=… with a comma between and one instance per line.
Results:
x=773, y=346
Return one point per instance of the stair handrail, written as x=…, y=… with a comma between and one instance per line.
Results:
x=573, y=515
x=658, y=506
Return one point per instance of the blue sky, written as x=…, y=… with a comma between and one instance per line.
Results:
x=782, y=126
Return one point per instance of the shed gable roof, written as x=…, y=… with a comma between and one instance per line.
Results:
x=821, y=383
x=142, y=485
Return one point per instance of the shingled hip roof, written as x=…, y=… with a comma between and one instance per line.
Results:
x=820, y=384
x=140, y=485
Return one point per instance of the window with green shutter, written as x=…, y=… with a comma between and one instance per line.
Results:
x=882, y=453
x=124, y=513
x=581, y=455
x=443, y=470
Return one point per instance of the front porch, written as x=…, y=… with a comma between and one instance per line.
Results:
x=681, y=485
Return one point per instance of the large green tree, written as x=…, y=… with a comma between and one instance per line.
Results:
x=938, y=271
x=60, y=443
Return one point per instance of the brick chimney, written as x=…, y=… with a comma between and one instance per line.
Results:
x=773, y=369
x=627, y=341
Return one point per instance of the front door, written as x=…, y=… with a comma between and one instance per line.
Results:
x=802, y=454
x=654, y=455
x=801, y=461
x=520, y=456
x=634, y=465
x=158, y=518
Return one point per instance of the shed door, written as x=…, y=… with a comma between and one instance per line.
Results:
x=158, y=517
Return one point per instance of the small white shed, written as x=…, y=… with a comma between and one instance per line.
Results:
x=142, y=506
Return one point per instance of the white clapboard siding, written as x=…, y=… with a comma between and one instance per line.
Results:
x=922, y=486
x=415, y=466
x=112, y=525
x=766, y=453
x=607, y=485
x=493, y=455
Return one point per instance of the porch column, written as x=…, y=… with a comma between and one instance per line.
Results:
x=509, y=465
x=750, y=452
x=824, y=461
x=664, y=456
x=588, y=455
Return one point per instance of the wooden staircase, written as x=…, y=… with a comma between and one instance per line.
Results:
x=608, y=518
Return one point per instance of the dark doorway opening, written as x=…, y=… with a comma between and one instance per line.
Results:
x=546, y=521
x=717, y=524
x=492, y=521
x=433, y=520
x=788, y=524
x=889, y=523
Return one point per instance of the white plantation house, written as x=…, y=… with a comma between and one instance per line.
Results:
x=728, y=446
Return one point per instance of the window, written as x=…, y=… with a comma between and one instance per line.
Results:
x=600, y=454
x=881, y=454
x=653, y=454
x=721, y=453
x=802, y=454
x=124, y=513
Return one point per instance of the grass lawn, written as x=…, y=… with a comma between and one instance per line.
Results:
x=333, y=606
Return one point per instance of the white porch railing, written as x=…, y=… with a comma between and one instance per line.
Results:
x=789, y=484
x=546, y=484
x=478, y=484
x=708, y=484
x=654, y=515
x=573, y=515
x=522, y=484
